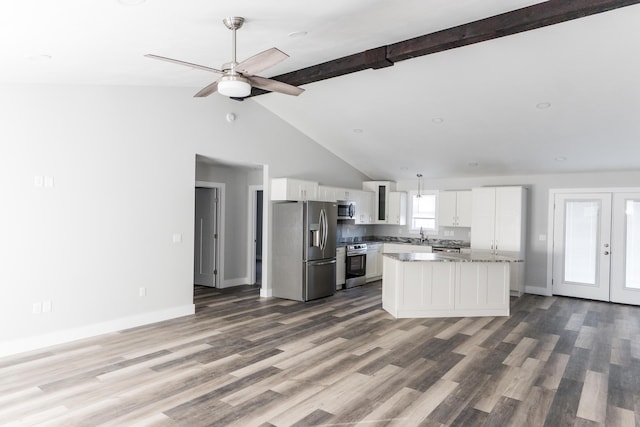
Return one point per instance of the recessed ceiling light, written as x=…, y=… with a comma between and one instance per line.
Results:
x=560, y=159
x=357, y=130
x=473, y=164
x=297, y=34
x=131, y=2
x=404, y=168
x=437, y=120
x=543, y=105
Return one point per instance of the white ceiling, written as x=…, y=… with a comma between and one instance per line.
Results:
x=485, y=95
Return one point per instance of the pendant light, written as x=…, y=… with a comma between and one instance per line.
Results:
x=419, y=184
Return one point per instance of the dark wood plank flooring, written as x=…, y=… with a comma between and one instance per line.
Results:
x=243, y=360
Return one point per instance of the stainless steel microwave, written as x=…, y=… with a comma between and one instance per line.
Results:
x=346, y=210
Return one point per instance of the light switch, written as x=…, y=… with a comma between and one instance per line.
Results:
x=177, y=237
x=542, y=237
x=38, y=181
x=142, y=292
x=48, y=181
x=46, y=306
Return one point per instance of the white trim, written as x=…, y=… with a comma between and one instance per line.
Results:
x=266, y=291
x=87, y=331
x=416, y=231
x=221, y=186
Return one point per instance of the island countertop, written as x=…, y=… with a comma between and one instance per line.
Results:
x=475, y=256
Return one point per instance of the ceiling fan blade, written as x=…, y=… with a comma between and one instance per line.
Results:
x=261, y=61
x=275, y=86
x=207, y=90
x=188, y=64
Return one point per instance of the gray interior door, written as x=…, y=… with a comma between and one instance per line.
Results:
x=205, y=271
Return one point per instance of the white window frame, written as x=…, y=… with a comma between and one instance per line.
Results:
x=410, y=195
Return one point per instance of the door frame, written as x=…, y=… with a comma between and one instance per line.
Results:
x=221, y=203
x=251, y=226
x=550, y=220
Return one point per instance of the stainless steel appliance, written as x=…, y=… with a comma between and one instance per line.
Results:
x=356, y=268
x=304, y=250
x=346, y=210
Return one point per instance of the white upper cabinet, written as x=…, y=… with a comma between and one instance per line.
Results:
x=333, y=194
x=293, y=189
x=387, y=208
x=454, y=208
x=498, y=219
x=364, y=206
x=397, y=208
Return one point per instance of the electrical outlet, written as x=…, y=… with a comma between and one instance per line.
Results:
x=37, y=308
x=46, y=306
x=38, y=181
x=48, y=182
x=142, y=292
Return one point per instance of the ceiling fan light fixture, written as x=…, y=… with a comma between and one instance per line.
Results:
x=234, y=86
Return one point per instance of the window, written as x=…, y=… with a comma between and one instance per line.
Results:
x=422, y=210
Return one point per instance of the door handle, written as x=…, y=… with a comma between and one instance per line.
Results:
x=606, y=252
x=333, y=261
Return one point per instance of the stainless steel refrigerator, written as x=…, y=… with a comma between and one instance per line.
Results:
x=304, y=250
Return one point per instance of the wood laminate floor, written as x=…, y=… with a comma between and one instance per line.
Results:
x=243, y=360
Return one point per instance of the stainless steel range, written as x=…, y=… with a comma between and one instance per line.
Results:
x=356, y=267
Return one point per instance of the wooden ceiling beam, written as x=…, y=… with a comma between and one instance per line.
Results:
x=529, y=18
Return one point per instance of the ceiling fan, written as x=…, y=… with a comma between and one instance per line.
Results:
x=238, y=78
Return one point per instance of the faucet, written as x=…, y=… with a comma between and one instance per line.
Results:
x=422, y=238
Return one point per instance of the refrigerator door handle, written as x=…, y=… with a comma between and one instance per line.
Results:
x=323, y=230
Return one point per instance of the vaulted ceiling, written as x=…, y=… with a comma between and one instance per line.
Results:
x=559, y=98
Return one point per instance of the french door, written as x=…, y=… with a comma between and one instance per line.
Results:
x=581, y=240
x=596, y=246
x=625, y=265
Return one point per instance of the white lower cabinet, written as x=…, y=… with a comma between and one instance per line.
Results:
x=341, y=267
x=445, y=289
x=482, y=286
x=374, y=262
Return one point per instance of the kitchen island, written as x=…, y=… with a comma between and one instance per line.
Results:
x=446, y=285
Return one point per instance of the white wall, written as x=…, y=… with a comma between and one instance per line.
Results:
x=537, y=205
x=122, y=162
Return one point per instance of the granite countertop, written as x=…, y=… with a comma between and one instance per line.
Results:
x=406, y=240
x=475, y=256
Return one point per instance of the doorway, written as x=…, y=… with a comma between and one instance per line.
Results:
x=205, y=263
x=256, y=218
x=596, y=245
x=258, y=237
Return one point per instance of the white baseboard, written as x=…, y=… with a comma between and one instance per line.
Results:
x=538, y=290
x=266, y=293
x=63, y=336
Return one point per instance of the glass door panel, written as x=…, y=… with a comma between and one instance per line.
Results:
x=581, y=241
